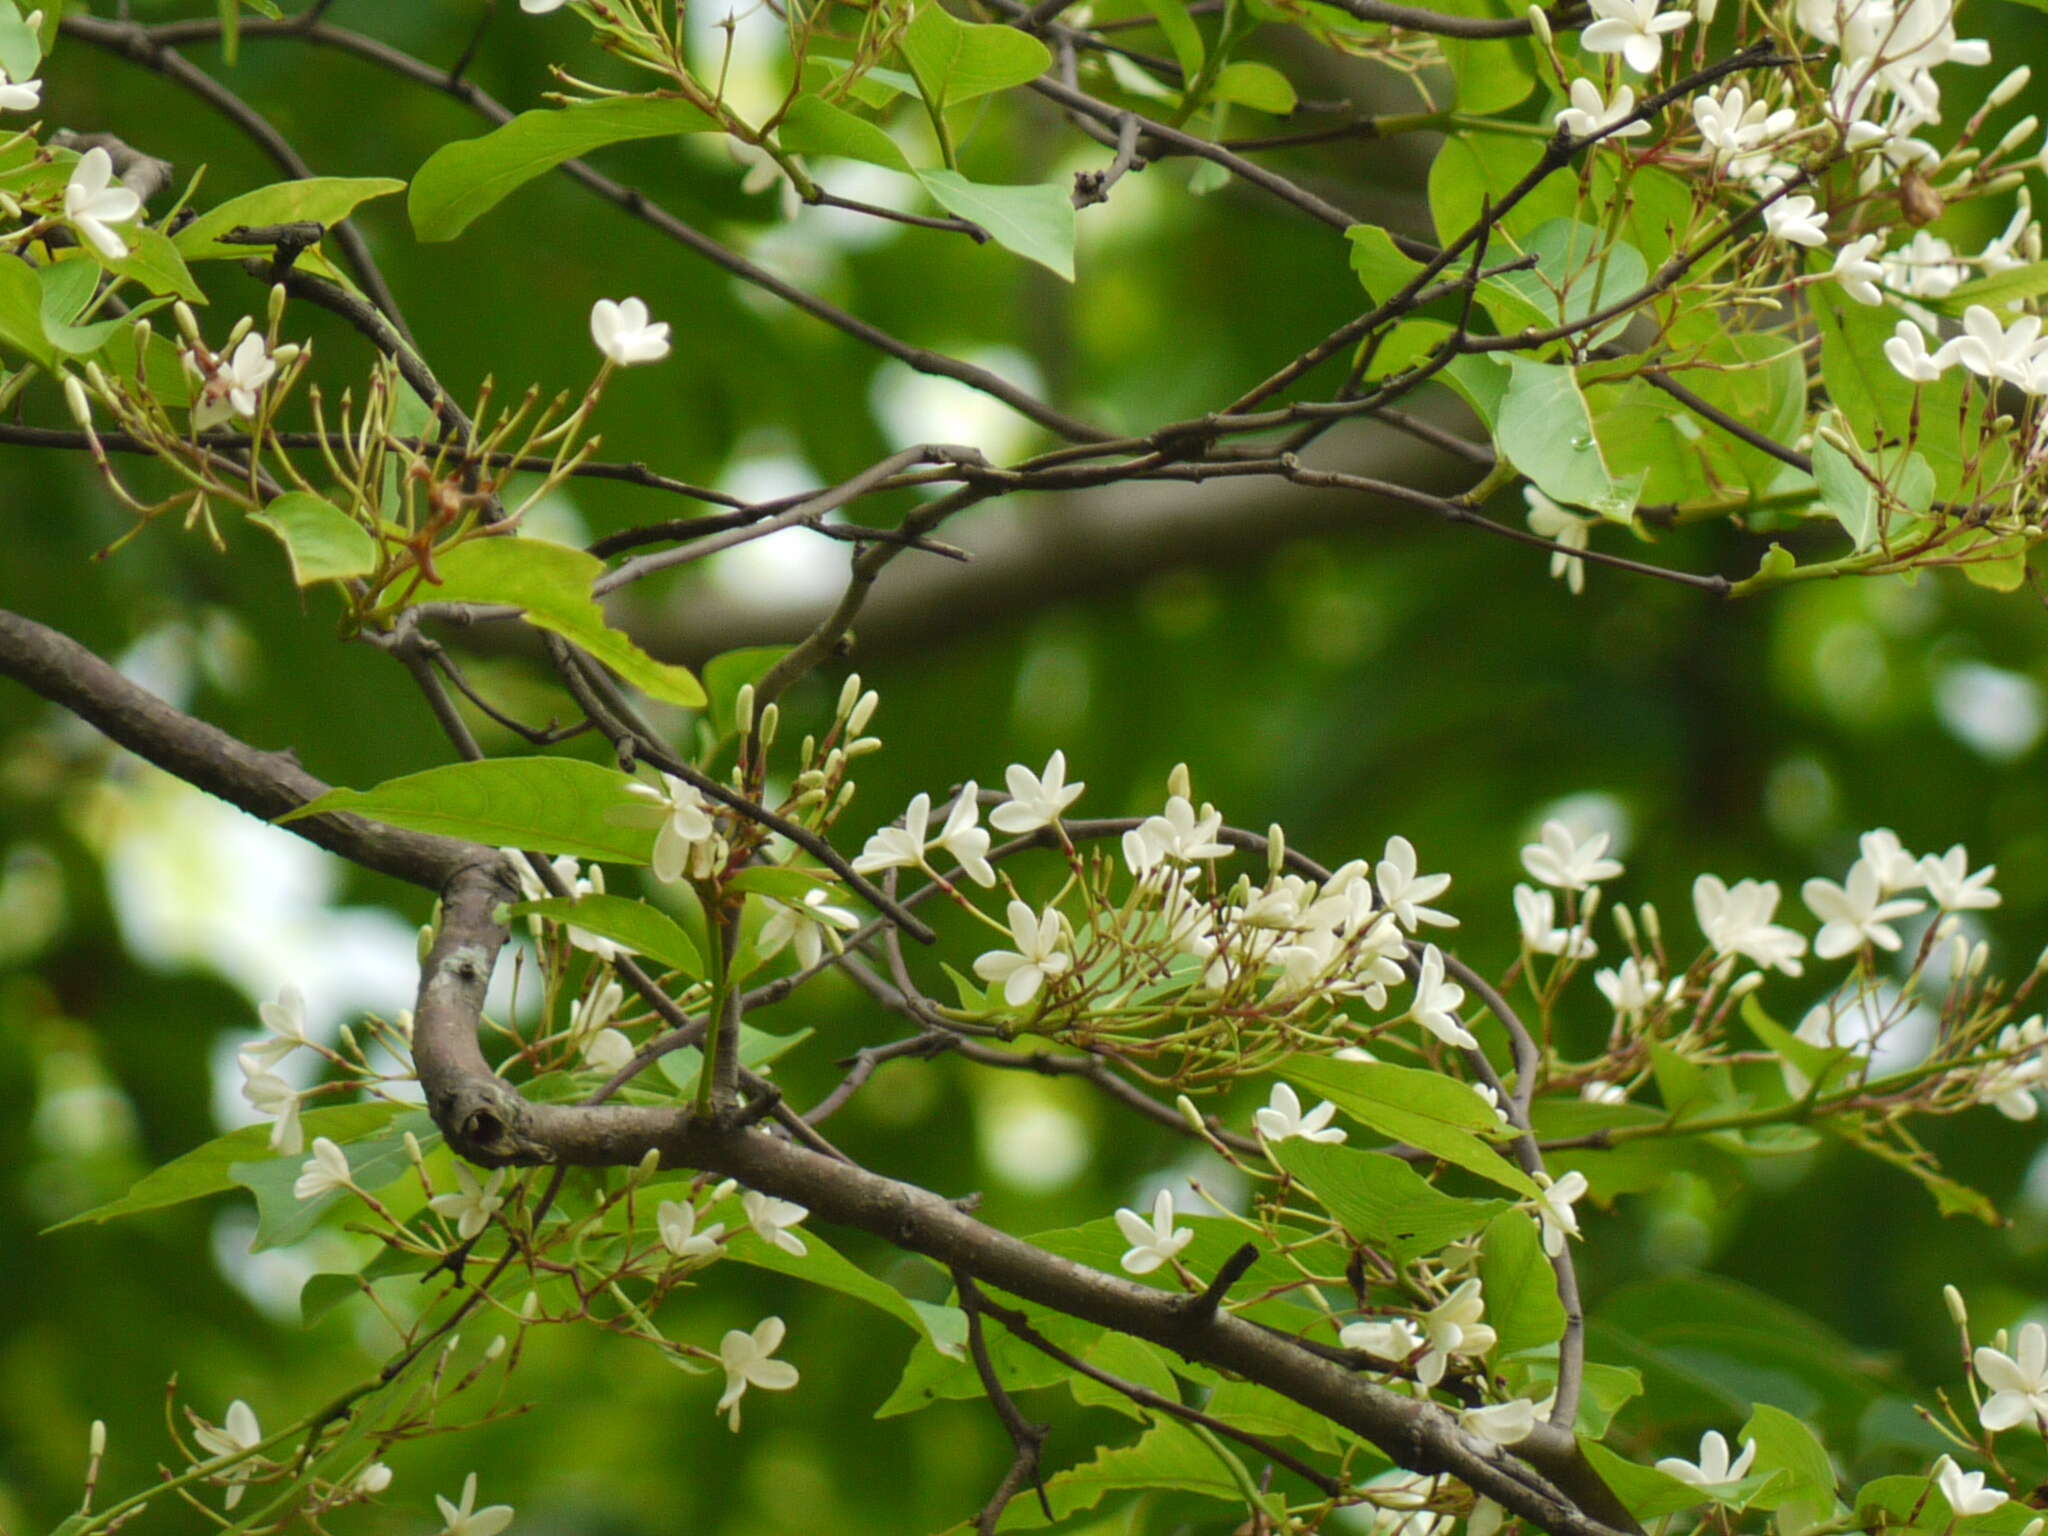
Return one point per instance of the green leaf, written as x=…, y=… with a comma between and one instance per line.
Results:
x=1167, y=1456
x=1813, y=1064
x=463, y=181
x=1258, y=86
x=21, y=48
x=1546, y=430
x=325, y=200
x=778, y=881
x=1425, y=1110
x=155, y=263
x=1035, y=221
x=822, y=1264
x=1647, y=1492
x=547, y=804
x=21, y=314
x=758, y=1049
x=637, y=926
x=1521, y=1287
x=322, y=542
x=1472, y=171
x=68, y=286
x=1996, y=561
x=1760, y=381
x=726, y=674
x=1999, y=288
x=813, y=126
x=939, y=1370
x=205, y=1169
x=551, y=584
x=1380, y=1200
x=956, y=61
x=1805, y=1496
x=1245, y=1405
x=1578, y=270
x=1134, y=1361
x=282, y=1218
x=1381, y=267
x=1850, y=498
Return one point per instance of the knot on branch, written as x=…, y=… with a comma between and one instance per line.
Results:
x=483, y=1120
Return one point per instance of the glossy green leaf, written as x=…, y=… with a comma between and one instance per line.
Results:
x=325, y=200
x=1131, y=1360
x=822, y=1264
x=1380, y=1200
x=816, y=127
x=1168, y=1457
x=322, y=542
x=21, y=46
x=551, y=584
x=154, y=262
x=1579, y=271
x=282, y=1218
x=956, y=61
x=1251, y=84
x=1546, y=430
x=205, y=1169
x=1521, y=1286
x=1647, y=1492
x=21, y=314
x=779, y=881
x=1849, y=498
x=758, y=1049
x=637, y=926
x=461, y=182
x=1425, y=1110
x=1805, y=1495
x=1475, y=171
x=546, y=804
x=1381, y=267
x=1035, y=221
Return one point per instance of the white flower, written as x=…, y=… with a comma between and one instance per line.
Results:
x=623, y=335
x=1454, y=1326
x=1037, y=959
x=773, y=1218
x=1536, y=911
x=1856, y=272
x=1736, y=920
x=608, y=1051
x=2009, y=1086
x=91, y=204
x=1713, y=1468
x=898, y=847
x=1503, y=1423
x=1635, y=988
x=1965, y=1491
x=964, y=839
x=1282, y=1118
x=683, y=816
x=1796, y=219
x=1176, y=833
x=1596, y=1090
x=1591, y=114
x=1489, y=1096
x=269, y=1094
x=233, y=385
x=1437, y=1000
x=1392, y=1339
x=1155, y=1242
x=2019, y=1386
x=374, y=1478
x=1633, y=29
x=1897, y=870
x=676, y=1220
x=326, y=1170
x=237, y=1433
x=1994, y=351
x=1907, y=352
x=806, y=922
x=465, y=1519
x=1554, y=1208
x=1561, y=860
x=1035, y=800
x=19, y=95
x=474, y=1206
x=286, y=1021
x=1952, y=885
x=1735, y=129
x=1566, y=529
x=1404, y=892
x=1854, y=914
x=746, y=1362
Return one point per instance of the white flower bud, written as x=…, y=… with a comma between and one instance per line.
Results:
x=277, y=298
x=845, y=798
x=863, y=711
x=2005, y=181
x=1744, y=985
x=285, y=353
x=530, y=1307
x=495, y=1348
x=723, y=1190
x=96, y=1439
x=1653, y=926
x=1626, y=924
x=75, y=397
x=835, y=762
x=771, y=717
x=188, y=323
x=849, y=695
x=1276, y=849
x=1539, y=23
x=1958, y=955
x=1189, y=1113
x=1947, y=928
x=743, y=710
x=1178, y=783
x=2009, y=87
x=2023, y=129
x=142, y=331
x=1980, y=957
x=242, y=328
x=403, y=1023
x=863, y=746
x=1835, y=440
x=412, y=1149
x=650, y=1165
x=426, y=942
x=1953, y=1299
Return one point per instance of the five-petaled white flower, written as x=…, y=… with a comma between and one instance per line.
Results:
x=1856, y=272
x=1153, y=1242
x=898, y=847
x=1737, y=921
x=1952, y=884
x=1855, y=913
x=773, y=1218
x=1392, y=1338
x=965, y=839
x=325, y=1171
x=1282, y=1118
x=1897, y=870
x=1735, y=129
x=2019, y=1385
x=1633, y=29
x=237, y=384
x=1635, y=988
x=745, y=1358
x=238, y=1432
x=269, y=1094
x=683, y=816
x=1536, y=912
x=623, y=334
x=806, y=923
x=1037, y=959
x=1965, y=1491
x=1036, y=800
x=286, y=1020
x=1993, y=350
x=1454, y=1326
x=1713, y=1468
x=19, y=95
x=1503, y=1423
x=1797, y=219
x=465, y=1519
x=474, y=1206
x=1405, y=893
x=92, y=202
x=1569, y=531
x=1554, y=1208
x=1176, y=833
x=1560, y=859
x=676, y=1221
x=1591, y=114
x=1436, y=1002
x=1907, y=352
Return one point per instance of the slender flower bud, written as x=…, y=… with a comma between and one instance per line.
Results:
x=863, y=746
x=1627, y=925
x=2005, y=181
x=2014, y=82
x=1959, y=1313
x=1652, y=924
x=835, y=762
x=1744, y=985
x=1539, y=23
x=495, y=1348
x=1835, y=440
x=96, y=378
x=771, y=717
x=530, y=1307
x=242, y=328
x=743, y=710
x=412, y=1149
x=650, y=1165
x=277, y=298
x=1958, y=955
x=849, y=695
x=426, y=941
x=863, y=711
x=1189, y=1113
x=285, y=353
x=188, y=323
x=142, y=331
x=1178, y=783
x=75, y=397
x=348, y=1039
x=96, y=1440
x=1980, y=957
x=1276, y=848
x=845, y=798
x=2023, y=129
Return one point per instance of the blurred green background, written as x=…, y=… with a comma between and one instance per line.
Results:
x=1324, y=663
